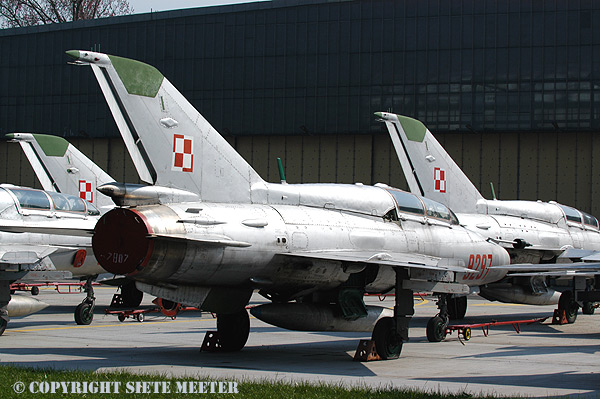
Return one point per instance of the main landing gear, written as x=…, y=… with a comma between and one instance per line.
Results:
x=233, y=330
x=84, y=312
x=391, y=332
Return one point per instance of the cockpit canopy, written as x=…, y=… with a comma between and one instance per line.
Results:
x=414, y=205
x=51, y=201
x=575, y=216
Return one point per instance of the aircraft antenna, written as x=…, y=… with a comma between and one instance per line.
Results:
x=281, y=173
x=493, y=192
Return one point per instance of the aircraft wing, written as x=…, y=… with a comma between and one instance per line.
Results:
x=65, y=228
x=393, y=259
x=428, y=273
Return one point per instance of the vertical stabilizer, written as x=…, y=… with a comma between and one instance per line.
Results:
x=61, y=167
x=428, y=168
x=170, y=142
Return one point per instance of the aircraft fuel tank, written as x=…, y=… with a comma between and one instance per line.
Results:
x=518, y=294
x=317, y=317
x=23, y=306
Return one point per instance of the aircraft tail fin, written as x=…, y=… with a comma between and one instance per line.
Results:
x=428, y=168
x=61, y=167
x=170, y=142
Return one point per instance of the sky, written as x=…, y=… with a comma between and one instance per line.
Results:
x=143, y=6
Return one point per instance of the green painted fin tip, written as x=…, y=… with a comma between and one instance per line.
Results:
x=415, y=130
x=139, y=78
x=53, y=146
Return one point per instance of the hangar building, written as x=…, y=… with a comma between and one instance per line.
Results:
x=511, y=88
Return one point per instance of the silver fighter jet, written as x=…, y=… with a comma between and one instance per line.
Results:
x=209, y=230
x=531, y=231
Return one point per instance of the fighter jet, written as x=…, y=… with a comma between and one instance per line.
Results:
x=209, y=230
x=531, y=231
x=61, y=167
x=36, y=255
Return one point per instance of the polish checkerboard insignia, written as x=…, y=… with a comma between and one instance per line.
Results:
x=86, y=190
x=439, y=178
x=183, y=153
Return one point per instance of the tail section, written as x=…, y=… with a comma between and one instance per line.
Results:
x=428, y=168
x=170, y=143
x=61, y=167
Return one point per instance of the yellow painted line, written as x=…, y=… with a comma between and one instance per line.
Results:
x=422, y=302
x=136, y=323
x=106, y=325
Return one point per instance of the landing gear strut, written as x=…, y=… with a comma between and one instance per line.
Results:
x=84, y=312
x=391, y=332
x=436, y=326
x=233, y=330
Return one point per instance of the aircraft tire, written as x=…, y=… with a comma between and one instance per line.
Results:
x=436, y=329
x=84, y=314
x=566, y=303
x=3, y=324
x=35, y=290
x=387, y=341
x=457, y=307
x=233, y=330
x=588, y=308
x=132, y=297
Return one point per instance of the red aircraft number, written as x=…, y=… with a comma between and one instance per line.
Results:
x=481, y=263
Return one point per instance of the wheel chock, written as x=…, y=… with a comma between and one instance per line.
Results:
x=366, y=351
x=117, y=301
x=211, y=342
x=560, y=317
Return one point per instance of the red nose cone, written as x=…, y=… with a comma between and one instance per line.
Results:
x=121, y=244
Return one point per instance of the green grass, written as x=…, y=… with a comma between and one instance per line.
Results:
x=10, y=375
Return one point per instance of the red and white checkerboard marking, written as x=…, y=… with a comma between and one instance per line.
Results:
x=183, y=153
x=86, y=190
x=439, y=178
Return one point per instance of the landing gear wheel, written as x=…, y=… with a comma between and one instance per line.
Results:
x=35, y=290
x=3, y=324
x=436, y=329
x=131, y=296
x=566, y=303
x=588, y=308
x=387, y=340
x=457, y=307
x=233, y=330
x=84, y=313
x=467, y=334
